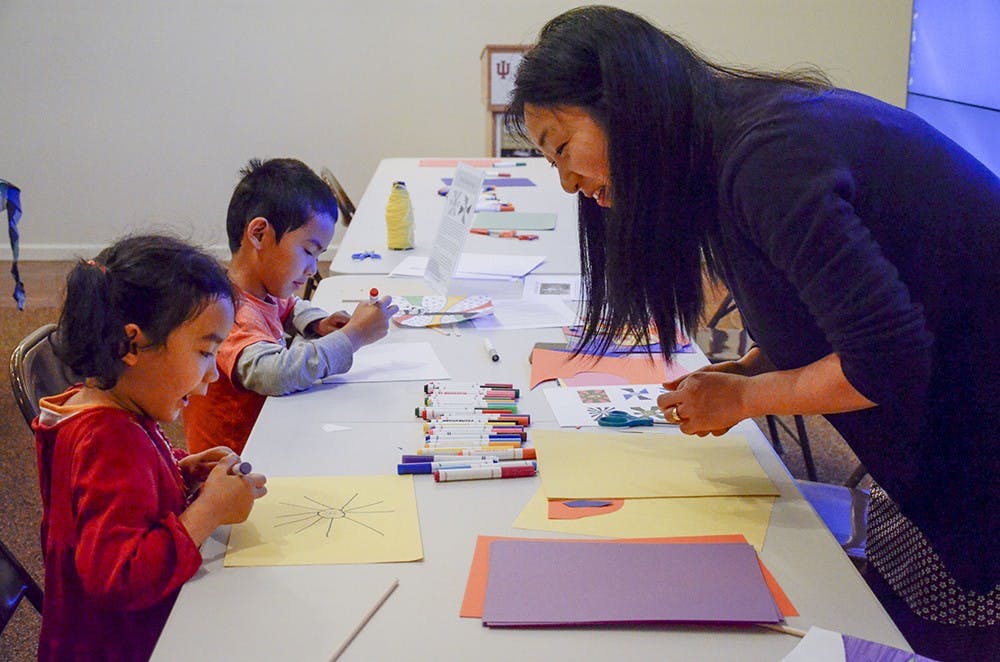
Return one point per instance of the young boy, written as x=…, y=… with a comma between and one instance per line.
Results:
x=281, y=218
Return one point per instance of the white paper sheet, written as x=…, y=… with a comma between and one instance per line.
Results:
x=456, y=220
x=483, y=266
x=551, y=286
x=527, y=314
x=581, y=406
x=393, y=362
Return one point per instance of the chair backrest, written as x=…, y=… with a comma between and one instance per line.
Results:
x=36, y=372
x=15, y=585
x=344, y=203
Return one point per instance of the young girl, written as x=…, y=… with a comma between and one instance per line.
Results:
x=124, y=513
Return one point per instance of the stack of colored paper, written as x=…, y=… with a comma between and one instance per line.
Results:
x=626, y=485
x=531, y=583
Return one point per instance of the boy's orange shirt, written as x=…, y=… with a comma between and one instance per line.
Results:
x=225, y=415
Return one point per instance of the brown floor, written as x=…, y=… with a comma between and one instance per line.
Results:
x=20, y=507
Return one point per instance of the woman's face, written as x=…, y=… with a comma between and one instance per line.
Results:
x=575, y=144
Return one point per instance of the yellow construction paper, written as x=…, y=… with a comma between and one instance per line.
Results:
x=332, y=519
x=611, y=465
x=651, y=518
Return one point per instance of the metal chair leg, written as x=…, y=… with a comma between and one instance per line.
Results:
x=803, y=439
x=772, y=430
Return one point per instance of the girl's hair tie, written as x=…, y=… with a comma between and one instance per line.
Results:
x=104, y=269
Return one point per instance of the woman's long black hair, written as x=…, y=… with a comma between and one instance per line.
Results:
x=656, y=100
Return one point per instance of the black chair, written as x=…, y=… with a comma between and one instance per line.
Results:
x=15, y=585
x=729, y=345
x=346, y=208
x=36, y=372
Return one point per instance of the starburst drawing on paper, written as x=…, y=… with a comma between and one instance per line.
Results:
x=317, y=512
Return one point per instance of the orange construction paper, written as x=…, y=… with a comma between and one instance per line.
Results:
x=549, y=364
x=475, y=587
x=559, y=510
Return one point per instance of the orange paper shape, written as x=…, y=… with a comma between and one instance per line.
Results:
x=559, y=510
x=475, y=587
x=549, y=364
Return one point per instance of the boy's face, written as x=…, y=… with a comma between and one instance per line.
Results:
x=286, y=265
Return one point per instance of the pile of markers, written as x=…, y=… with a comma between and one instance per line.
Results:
x=471, y=432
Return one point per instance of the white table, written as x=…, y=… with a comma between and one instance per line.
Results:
x=303, y=612
x=367, y=229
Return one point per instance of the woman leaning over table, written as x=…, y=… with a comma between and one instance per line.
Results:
x=861, y=246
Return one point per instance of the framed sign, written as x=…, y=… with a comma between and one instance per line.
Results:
x=499, y=66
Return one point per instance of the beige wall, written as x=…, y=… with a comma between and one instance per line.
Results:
x=120, y=115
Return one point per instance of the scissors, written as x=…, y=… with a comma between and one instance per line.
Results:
x=616, y=418
x=365, y=255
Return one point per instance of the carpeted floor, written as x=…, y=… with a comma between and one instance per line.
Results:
x=20, y=507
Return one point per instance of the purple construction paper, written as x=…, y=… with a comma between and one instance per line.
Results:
x=543, y=583
x=499, y=182
x=862, y=650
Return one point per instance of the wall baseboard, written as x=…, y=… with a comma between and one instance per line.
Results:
x=72, y=252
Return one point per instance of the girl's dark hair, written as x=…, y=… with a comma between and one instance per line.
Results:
x=154, y=281
x=284, y=191
x=656, y=100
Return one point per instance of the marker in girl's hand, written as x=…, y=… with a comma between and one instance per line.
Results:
x=373, y=295
x=241, y=469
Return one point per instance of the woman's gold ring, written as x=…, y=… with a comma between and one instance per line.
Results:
x=673, y=416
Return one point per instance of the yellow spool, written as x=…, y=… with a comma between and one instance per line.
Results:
x=399, y=218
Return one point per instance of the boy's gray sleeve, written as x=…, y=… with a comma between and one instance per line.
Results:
x=272, y=369
x=304, y=314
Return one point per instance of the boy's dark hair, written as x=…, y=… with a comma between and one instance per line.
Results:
x=284, y=191
x=154, y=281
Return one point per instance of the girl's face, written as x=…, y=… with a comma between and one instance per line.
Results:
x=575, y=144
x=159, y=380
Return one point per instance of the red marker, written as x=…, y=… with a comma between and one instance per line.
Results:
x=373, y=295
x=485, y=472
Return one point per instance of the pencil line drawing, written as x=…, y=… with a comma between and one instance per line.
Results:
x=318, y=512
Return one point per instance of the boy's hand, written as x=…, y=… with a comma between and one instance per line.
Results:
x=334, y=322
x=370, y=322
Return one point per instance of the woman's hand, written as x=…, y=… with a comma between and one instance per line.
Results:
x=713, y=399
x=707, y=401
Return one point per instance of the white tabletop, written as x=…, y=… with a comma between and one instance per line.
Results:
x=304, y=612
x=367, y=229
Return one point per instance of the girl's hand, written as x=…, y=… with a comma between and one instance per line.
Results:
x=230, y=497
x=225, y=498
x=707, y=401
x=196, y=467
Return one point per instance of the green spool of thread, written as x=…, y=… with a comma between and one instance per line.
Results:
x=399, y=218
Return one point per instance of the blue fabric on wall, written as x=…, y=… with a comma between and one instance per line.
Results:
x=10, y=199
